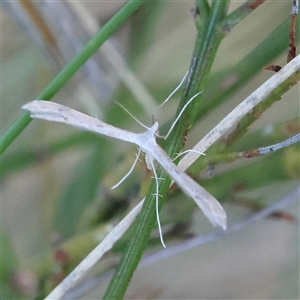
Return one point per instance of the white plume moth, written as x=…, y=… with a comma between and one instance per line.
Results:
x=257, y=96
x=145, y=141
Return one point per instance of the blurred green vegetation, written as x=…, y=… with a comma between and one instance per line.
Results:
x=77, y=168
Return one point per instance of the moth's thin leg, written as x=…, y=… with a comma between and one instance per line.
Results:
x=130, y=171
x=176, y=89
x=156, y=204
x=241, y=110
x=211, y=208
x=178, y=117
x=187, y=151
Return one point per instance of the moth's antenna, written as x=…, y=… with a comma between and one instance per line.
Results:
x=156, y=134
x=187, y=151
x=130, y=114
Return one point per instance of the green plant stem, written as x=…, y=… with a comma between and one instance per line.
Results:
x=227, y=83
x=242, y=127
x=203, y=9
x=206, y=45
x=230, y=81
x=278, y=166
x=240, y=13
x=70, y=69
x=244, y=124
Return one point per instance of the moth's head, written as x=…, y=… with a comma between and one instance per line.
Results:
x=154, y=127
x=154, y=130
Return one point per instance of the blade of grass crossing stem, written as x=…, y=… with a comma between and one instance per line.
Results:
x=70, y=69
x=146, y=220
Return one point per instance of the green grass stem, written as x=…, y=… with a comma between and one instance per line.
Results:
x=204, y=53
x=70, y=69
